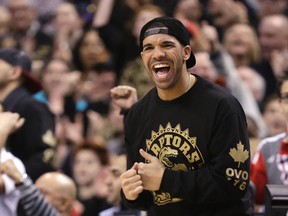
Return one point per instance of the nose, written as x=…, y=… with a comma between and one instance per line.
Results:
x=158, y=52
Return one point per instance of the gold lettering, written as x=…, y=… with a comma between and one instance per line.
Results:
x=176, y=141
x=229, y=172
x=245, y=175
x=237, y=173
x=155, y=149
x=161, y=141
x=194, y=157
x=185, y=148
x=168, y=139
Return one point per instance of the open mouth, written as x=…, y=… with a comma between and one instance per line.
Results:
x=161, y=70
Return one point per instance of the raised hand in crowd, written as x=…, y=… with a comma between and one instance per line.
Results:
x=279, y=62
x=9, y=122
x=124, y=96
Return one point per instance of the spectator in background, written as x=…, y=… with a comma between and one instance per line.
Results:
x=254, y=81
x=232, y=82
x=273, y=37
x=58, y=93
x=59, y=190
x=86, y=8
x=270, y=164
x=81, y=107
x=241, y=42
x=46, y=12
x=270, y=7
x=114, y=130
x=273, y=116
x=9, y=122
x=58, y=82
x=5, y=19
x=223, y=14
x=205, y=68
x=68, y=28
x=90, y=50
x=183, y=10
x=115, y=22
x=27, y=31
x=52, y=195
x=134, y=73
x=94, y=91
x=96, y=85
x=89, y=165
x=118, y=92
x=33, y=143
x=6, y=39
x=117, y=166
x=225, y=67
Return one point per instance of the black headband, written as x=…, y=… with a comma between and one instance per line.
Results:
x=159, y=30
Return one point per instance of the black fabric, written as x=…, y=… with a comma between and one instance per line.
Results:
x=29, y=143
x=196, y=134
x=94, y=206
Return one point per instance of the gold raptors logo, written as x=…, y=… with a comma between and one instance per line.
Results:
x=177, y=151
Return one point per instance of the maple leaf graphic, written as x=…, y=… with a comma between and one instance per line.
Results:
x=239, y=155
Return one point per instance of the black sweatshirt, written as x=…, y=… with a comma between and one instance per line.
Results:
x=201, y=138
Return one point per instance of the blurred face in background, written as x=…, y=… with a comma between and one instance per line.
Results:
x=274, y=117
x=54, y=75
x=273, y=35
x=144, y=16
x=5, y=19
x=268, y=7
x=92, y=50
x=116, y=168
x=216, y=9
x=86, y=166
x=184, y=7
x=204, y=66
x=22, y=14
x=241, y=40
x=254, y=81
x=67, y=17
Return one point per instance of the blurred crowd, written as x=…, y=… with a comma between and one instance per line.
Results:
x=80, y=50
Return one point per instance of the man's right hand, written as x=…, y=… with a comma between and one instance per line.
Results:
x=9, y=122
x=9, y=168
x=131, y=183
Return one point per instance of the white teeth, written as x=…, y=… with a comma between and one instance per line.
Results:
x=161, y=65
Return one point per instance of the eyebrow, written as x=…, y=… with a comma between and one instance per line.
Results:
x=166, y=42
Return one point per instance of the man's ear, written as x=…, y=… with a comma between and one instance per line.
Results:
x=16, y=73
x=66, y=203
x=187, y=52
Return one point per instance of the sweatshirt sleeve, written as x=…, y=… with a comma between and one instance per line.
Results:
x=226, y=173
